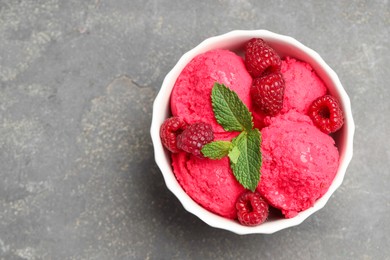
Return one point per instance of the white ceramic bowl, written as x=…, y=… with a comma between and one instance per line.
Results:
x=284, y=45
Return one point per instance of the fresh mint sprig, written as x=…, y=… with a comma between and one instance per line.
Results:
x=244, y=150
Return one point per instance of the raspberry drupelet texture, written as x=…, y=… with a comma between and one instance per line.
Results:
x=252, y=210
x=194, y=137
x=326, y=114
x=267, y=93
x=260, y=58
x=169, y=131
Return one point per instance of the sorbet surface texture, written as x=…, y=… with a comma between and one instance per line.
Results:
x=190, y=96
x=210, y=183
x=299, y=163
x=303, y=85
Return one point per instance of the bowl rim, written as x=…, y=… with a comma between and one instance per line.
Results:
x=162, y=157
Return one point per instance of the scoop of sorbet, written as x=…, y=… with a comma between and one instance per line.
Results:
x=190, y=98
x=299, y=163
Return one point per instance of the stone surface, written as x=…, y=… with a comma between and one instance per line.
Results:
x=77, y=82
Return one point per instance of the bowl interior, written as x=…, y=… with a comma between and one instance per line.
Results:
x=285, y=46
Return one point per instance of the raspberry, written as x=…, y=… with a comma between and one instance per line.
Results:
x=252, y=210
x=260, y=58
x=169, y=131
x=192, y=139
x=267, y=93
x=326, y=114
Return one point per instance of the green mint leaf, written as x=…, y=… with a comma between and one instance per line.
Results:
x=247, y=167
x=230, y=112
x=234, y=154
x=216, y=150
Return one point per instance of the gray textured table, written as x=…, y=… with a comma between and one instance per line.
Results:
x=77, y=82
